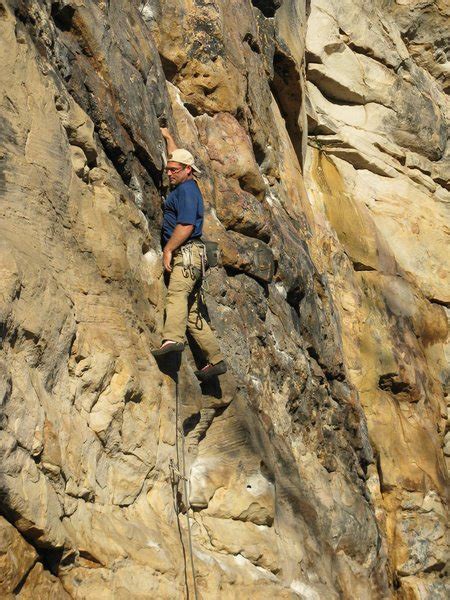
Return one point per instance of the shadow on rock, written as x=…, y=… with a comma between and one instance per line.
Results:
x=169, y=364
x=212, y=387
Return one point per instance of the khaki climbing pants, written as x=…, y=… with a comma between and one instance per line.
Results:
x=182, y=306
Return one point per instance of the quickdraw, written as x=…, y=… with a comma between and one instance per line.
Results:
x=189, y=270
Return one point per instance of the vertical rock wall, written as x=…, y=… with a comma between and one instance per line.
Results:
x=316, y=467
x=377, y=174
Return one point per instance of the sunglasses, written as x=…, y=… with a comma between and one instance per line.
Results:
x=174, y=169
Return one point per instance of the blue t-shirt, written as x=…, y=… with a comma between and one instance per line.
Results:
x=183, y=206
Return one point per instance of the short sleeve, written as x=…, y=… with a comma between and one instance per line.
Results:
x=187, y=207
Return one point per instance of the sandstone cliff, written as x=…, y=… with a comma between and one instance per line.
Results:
x=317, y=466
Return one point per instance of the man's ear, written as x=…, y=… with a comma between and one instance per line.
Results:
x=189, y=169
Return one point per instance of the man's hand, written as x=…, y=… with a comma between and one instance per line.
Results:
x=180, y=235
x=165, y=133
x=170, y=142
x=167, y=260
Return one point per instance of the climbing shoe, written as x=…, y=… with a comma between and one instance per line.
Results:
x=167, y=347
x=212, y=370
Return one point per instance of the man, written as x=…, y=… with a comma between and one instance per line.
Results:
x=182, y=259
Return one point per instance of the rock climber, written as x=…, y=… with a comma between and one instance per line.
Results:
x=183, y=256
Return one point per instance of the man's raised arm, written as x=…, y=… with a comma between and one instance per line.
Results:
x=171, y=145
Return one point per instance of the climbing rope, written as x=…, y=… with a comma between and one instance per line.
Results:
x=178, y=473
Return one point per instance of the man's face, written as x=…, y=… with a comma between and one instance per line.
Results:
x=177, y=172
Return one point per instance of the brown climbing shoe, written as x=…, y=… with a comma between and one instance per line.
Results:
x=212, y=370
x=168, y=346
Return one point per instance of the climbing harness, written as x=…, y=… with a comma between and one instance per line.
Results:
x=199, y=275
x=189, y=270
x=210, y=258
x=177, y=474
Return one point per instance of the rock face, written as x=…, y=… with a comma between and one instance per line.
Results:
x=316, y=467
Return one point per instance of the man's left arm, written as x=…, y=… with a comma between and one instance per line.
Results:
x=180, y=234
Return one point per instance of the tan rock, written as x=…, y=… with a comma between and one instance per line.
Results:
x=42, y=584
x=213, y=86
x=315, y=466
x=79, y=161
x=79, y=127
x=425, y=35
x=388, y=200
x=351, y=220
x=17, y=558
x=421, y=538
x=354, y=67
x=255, y=501
x=417, y=588
x=230, y=152
x=253, y=542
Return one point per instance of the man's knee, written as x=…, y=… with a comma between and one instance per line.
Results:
x=196, y=323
